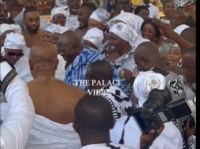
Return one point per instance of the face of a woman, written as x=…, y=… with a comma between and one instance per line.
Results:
x=93, y=23
x=148, y=32
x=174, y=56
x=169, y=9
x=144, y=14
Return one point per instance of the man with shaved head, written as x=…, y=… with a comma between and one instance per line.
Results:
x=78, y=58
x=54, y=101
x=189, y=34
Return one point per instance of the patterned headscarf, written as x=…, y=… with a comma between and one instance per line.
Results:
x=101, y=15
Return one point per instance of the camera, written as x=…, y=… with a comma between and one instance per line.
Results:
x=159, y=109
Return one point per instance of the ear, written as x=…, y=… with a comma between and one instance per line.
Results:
x=144, y=61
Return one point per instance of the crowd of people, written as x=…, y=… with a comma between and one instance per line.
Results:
x=76, y=80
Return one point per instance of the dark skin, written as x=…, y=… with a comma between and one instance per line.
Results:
x=74, y=5
x=70, y=46
x=32, y=33
x=146, y=2
x=12, y=56
x=83, y=18
x=124, y=5
x=15, y=9
x=51, y=98
x=59, y=19
x=178, y=18
x=169, y=9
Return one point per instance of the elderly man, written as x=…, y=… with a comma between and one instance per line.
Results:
x=14, y=46
x=54, y=102
x=78, y=58
x=58, y=16
x=18, y=114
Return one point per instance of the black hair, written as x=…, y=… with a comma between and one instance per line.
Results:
x=102, y=70
x=30, y=9
x=10, y=3
x=150, y=21
x=139, y=8
x=93, y=113
x=90, y=6
x=116, y=1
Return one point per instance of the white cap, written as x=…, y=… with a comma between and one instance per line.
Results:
x=95, y=36
x=53, y=28
x=101, y=15
x=14, y=41
x=125, y=32
x=59, y=10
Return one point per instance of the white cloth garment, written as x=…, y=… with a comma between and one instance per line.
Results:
x=105, y=146
x=125, y=17
x=60, y=72
x=170, y=138
x=95, y=36
x=125, y=32
x=60, y=3
x=14, y=41
x=43, y=22
x=181, y=28
x=138, y=24
x=145, y=82
x=20, y=113
x=5, y=27
x=154, y=11
x=59, y=10
x=47, y=134
x=16, y=28
x=23, y=69
x=54, y=28
x=101, y=15
x=72, y=22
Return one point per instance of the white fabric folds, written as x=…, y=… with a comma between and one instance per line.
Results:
x=14, y=41
x=181, y=28
x=54, y=28
x=101, y=15
x=125, y=32
x=95, y=36
x=59, y=10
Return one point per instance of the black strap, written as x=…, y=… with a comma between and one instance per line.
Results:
x=9, y=77
x=122, y=138
x=111, y=146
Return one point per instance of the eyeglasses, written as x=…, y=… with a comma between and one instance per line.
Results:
x=59, y=18
x=12, y=54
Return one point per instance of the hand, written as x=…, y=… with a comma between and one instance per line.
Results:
x=190, y=132
x=127, y=75
x=147, y=140
x=166, y=29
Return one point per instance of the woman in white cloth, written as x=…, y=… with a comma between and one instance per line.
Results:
x=14, y=46
x=93, y=38
x=170, y=138
x=58, y=16
x=56, y=31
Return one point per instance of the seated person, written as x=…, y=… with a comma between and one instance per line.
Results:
x=58, y=16
x=142, y=11
x=93, y=38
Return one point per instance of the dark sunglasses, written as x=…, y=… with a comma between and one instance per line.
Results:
x=59, y=18
x=18, y=55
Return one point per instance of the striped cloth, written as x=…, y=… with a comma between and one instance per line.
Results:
x=76, y=71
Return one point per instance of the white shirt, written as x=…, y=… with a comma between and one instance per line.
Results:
x=154, y=11
x=138, y=24
x=105, y=146
x=60, y=72
x=16, y=127
x=71, y=22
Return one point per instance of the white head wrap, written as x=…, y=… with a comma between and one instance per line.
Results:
x=95, y=36
x=100, y=15
x=125, y=32
x=180, y=29
x=125, y=17
x=145, y=82
x=59, y=10
x=53, y=28
x=14, y=41
x=5, y=27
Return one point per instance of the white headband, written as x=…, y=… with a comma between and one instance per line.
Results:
x=95, y=36
x=100, y=15
x=59, y=10
x=14, y=41
x=125, y=32
x=125, y=17
x=54, y=28
x=180, y=29
x=145, y=82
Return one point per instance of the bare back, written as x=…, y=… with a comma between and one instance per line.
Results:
x=54, y=99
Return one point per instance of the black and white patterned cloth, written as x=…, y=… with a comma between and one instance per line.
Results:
x=192, y=142
x=120, y=102
x=106, y=146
